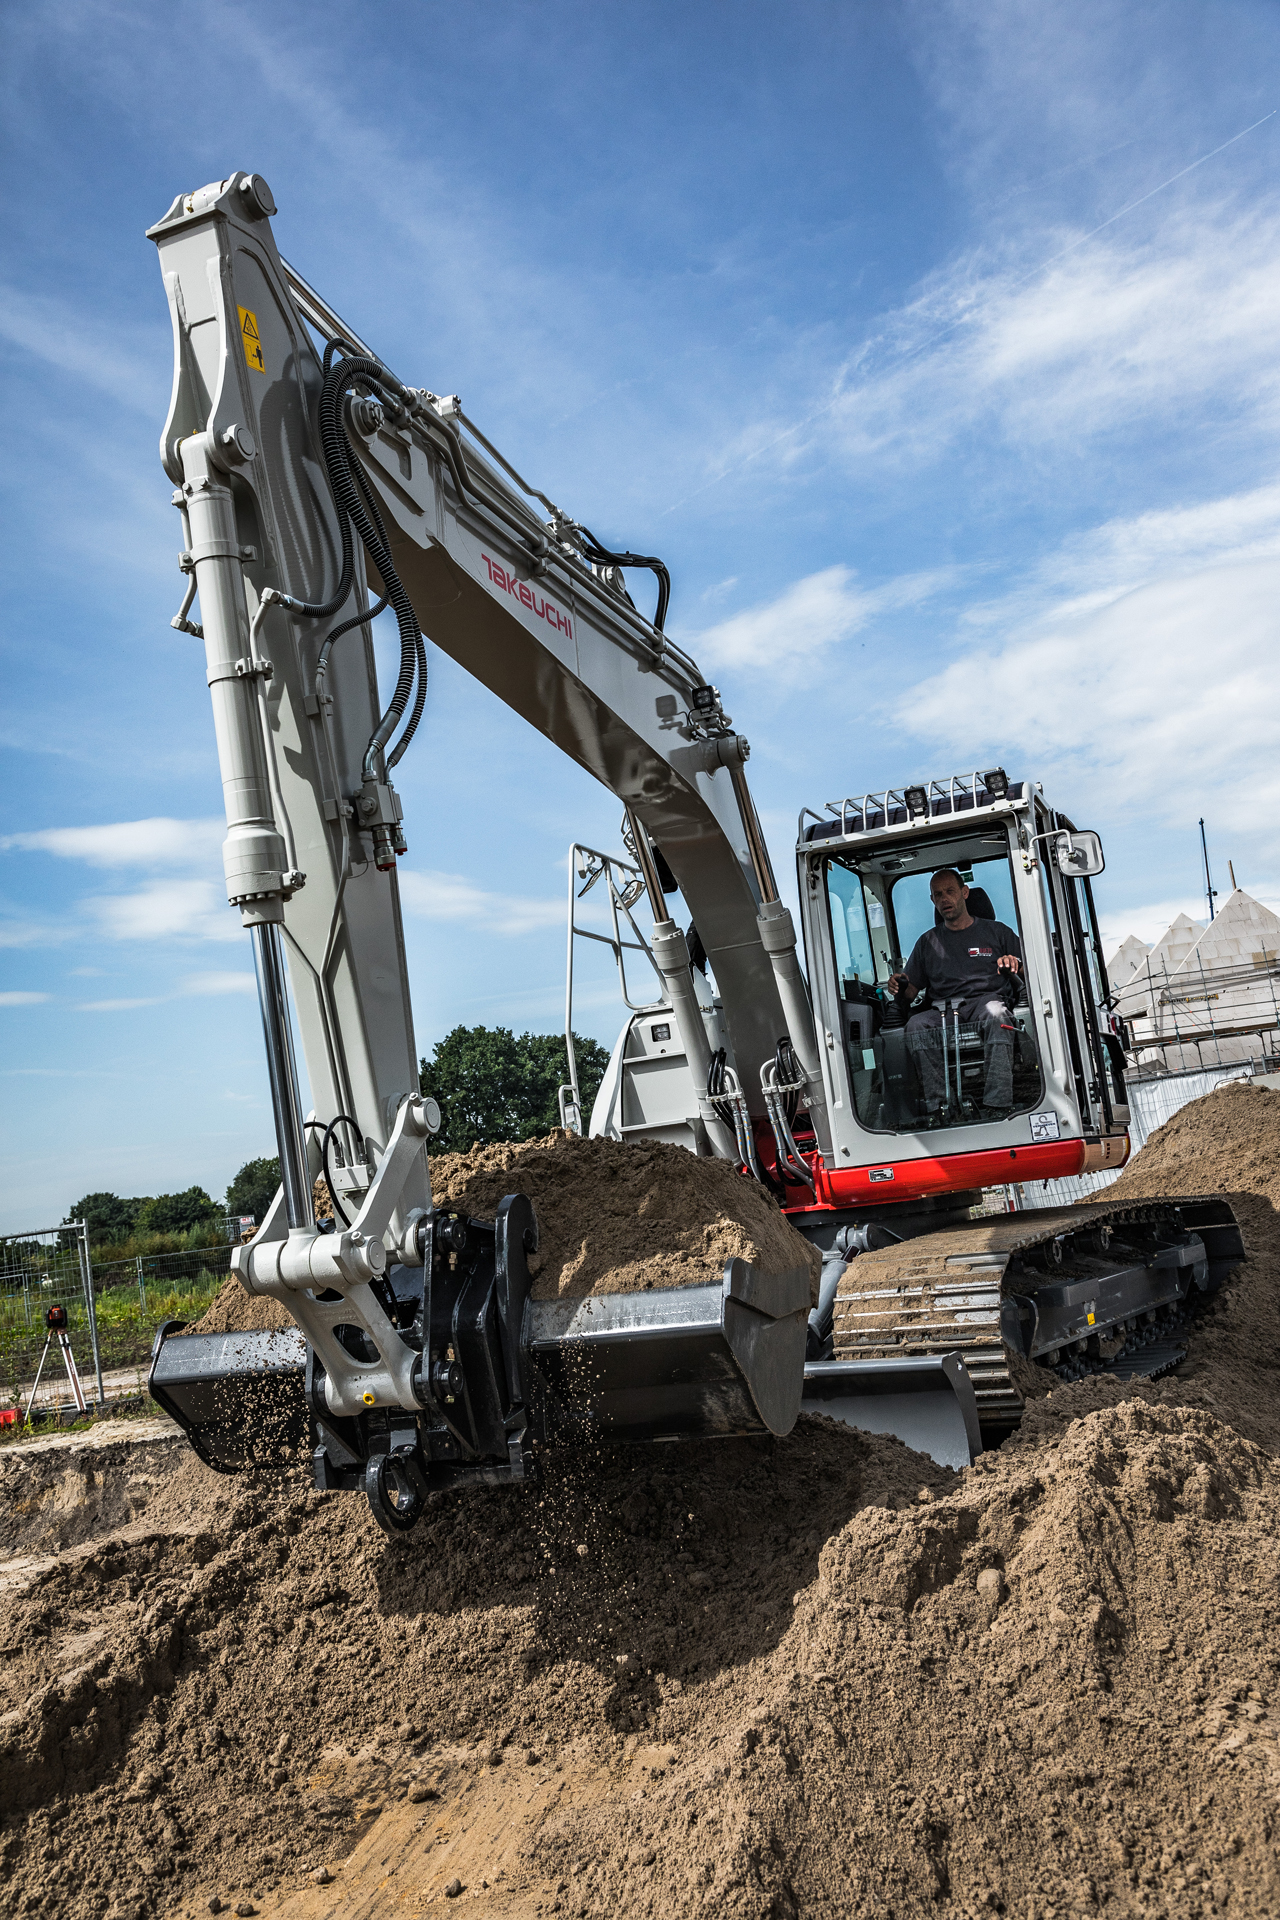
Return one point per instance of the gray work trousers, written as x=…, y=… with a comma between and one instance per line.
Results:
x=993, y=1020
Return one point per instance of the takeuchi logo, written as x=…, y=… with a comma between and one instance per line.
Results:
x=520, y=590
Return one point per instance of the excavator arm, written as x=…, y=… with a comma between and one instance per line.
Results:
x=311, y=480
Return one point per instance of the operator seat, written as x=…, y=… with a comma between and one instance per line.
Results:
x=1026, y=1059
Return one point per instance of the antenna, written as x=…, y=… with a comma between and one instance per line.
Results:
x=1211, y=891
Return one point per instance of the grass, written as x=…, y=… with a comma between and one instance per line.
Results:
x=126, y=1330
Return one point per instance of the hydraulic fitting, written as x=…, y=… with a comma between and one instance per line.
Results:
x=378, y=812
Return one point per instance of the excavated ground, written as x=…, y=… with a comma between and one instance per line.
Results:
x=816, y=1677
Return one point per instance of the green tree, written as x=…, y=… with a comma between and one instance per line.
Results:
x=254, y=1187
x=108, y=1216
x=178, y=1212
x=492, y=1084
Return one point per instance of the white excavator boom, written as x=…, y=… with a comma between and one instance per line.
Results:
x=308, y=477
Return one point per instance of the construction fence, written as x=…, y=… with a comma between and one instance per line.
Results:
x=113, y=1308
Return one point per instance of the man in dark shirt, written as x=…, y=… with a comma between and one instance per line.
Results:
x=961, y=962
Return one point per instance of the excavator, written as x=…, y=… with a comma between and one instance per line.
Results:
x=317, y=490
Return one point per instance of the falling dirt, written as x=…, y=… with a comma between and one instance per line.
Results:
x=817, y=1676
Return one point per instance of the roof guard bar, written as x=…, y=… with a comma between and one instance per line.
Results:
x=884, y=801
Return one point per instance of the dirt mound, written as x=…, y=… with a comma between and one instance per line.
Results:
x=816, y=1676
x=232, y=1310
x=1229, y=1142
x=765, y=1678
x=611, y=1219
x=619, y=1219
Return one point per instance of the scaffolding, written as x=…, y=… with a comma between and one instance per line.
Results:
x=1179, y=1020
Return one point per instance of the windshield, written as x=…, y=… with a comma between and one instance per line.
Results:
x=955, y=1046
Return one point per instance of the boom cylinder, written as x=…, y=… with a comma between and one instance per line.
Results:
x=286, y=1104
x=671, y=951
x=778, y=937
x=253, y=853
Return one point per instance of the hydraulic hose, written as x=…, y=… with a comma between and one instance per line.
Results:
x=348, y=485
x=601, y=557
x=337, y=454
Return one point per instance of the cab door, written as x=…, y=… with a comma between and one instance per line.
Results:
x=1095, y=1055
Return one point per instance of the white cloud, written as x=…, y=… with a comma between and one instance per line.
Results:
x=810, y=616
x=22, y=999
x=116, y=1006
x=218, y=983
x=98, y=356
x=1045, y=342
x=1133, y=669
x=167, y=910
x=450, y=896
x=32, y=933
x=1095, y=567
x=1116, y=332
x=154, y=843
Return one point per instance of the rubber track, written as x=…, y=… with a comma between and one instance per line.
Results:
x=942, y=1293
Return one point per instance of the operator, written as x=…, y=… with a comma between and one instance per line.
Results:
x=961, y=962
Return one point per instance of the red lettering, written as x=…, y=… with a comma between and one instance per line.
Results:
x=540, y=608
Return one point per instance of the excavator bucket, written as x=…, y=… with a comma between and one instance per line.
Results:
x=672, y=1365
x=500, y=1374
x=239, y=1397
x=927, y=1400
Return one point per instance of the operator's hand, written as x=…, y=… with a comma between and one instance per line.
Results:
x=1010, y=962
x=895, y=984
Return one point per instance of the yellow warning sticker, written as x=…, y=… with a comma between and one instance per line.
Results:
x=252, y=344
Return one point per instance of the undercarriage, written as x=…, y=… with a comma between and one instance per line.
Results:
x=1050, y=1293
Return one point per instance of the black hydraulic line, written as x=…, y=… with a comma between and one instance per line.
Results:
x=357, y=620
x=787, y=1067
x=420, y=651
x=341, y=1119
x=602, y=557
x=351, y=514
x=370, y=613
x=419, y=701
x=337, y=454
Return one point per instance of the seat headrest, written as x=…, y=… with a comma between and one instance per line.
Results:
x=979, y=905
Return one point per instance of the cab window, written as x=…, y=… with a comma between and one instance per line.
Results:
x=877, y=913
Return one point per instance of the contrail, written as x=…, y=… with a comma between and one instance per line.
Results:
x=933, y=339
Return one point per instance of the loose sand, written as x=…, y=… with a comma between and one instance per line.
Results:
x=611, y=1219
x=818, y=1676
x=619, y=1219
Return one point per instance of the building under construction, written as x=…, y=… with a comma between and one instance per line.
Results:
x=1203, y=996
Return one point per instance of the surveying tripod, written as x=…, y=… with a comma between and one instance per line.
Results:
x=56, y=1321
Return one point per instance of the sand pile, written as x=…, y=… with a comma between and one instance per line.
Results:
x=611, y=1219
x=619, y=1219
x=818, y=1676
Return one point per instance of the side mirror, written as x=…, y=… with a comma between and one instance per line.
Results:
x=1079, y=854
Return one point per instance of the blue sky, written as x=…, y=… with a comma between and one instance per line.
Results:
x=935, y=347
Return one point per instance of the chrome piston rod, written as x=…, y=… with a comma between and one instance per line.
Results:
x=286, y=1105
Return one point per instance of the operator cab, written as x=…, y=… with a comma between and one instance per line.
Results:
x=864, y=876
x=879, y=904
